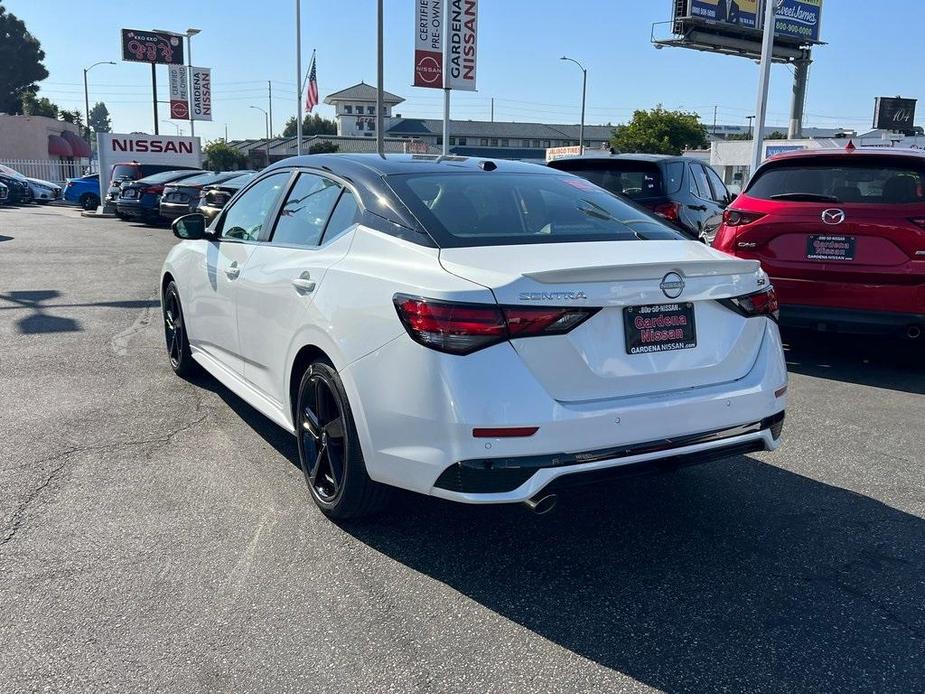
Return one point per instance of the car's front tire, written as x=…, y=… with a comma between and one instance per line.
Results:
x=178, y=351
x=329, y=448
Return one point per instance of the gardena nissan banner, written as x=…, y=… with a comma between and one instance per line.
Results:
x=117, y=148
x=201, y=93
x=460, y=55
x=462, y=35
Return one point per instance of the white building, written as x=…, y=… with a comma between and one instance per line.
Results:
x=355, y=109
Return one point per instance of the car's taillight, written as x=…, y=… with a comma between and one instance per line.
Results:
x=459, y=328
x=667, y=210
x=738, y=218
x=763, y=303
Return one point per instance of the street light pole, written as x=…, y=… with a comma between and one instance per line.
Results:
x=584, y=91
x=190, y=33
x=266, y=119
x=176, y=125
x=87, y=94
x=298, y=76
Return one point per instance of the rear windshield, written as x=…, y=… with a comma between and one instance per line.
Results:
x=495, y=208
x=124, y=171
x=628, y=178
x=873, y=182
x=166, y=177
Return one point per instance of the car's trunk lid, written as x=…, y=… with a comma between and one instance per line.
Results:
x=593, y=361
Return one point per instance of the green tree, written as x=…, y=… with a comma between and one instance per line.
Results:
x=323, y=147
x=220, y=156
x=33, y=105
x=660, y=131
x=99, y=121
x=776, y=135
x=21, y=59
x=312, y=124
x=75, y=117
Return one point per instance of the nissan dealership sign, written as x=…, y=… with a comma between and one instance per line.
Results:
x=117, y=148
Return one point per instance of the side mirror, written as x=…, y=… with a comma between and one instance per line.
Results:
x=190, y=227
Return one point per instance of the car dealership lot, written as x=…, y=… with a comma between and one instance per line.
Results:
x=158, y=535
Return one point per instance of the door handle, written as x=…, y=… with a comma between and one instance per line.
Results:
x=233, y=270
x=303, y=283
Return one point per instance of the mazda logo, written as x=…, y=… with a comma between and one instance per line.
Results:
x=833, y=216
x=672, y=285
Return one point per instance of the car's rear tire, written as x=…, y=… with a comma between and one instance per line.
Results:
x=178, y=351
x=89, y=201
x=329, y=448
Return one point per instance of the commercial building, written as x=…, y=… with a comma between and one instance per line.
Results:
x=42, y=147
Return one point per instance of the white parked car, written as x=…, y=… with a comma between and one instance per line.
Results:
x=483, y=332
x=44, y=191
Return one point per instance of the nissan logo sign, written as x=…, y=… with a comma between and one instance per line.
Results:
x=833, y=216
x=672, y=285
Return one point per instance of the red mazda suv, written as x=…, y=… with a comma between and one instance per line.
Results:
x=841, y=234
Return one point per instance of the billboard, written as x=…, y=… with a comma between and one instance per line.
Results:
x=428, y=43
x=459, y=53
x=738, y=12
x=139, y=46
x=798, y=19
x=179, y=95
x=894, y=113
x=115, y=148
x=201, y=93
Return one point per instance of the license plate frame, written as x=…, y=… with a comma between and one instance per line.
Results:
x=838, y=248
x=654, y=328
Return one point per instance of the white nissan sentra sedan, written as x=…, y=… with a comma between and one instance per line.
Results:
x=481, y=331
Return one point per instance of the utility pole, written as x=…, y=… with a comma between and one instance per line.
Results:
x=715, y=108
x=751, y=130
x=764, y=79
x=154, y=97
x=270, y=103
x=492, y=109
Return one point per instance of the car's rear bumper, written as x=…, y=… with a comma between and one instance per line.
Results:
x=174, y=210
x=134, y=210
x=853, y=321
x=416, y=409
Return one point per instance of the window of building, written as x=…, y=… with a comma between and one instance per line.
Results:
x=505, y=142
x=370, y=123
x=462, y=140
x=494, y=142
x=371, y=110
x=536, y=144
x=546, y=144
x=440, y=140
x=348, y=109
x=452, y=140
x=484, y=142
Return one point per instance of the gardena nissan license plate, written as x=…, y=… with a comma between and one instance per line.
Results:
x=829, y=247
x=659, y=328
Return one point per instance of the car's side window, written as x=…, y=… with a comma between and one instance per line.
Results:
x=720, y=194
x=346, y=214
x=701, y=182
x=307, y=208
x=245, y=219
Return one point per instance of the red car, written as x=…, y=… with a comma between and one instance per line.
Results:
x=841, y=234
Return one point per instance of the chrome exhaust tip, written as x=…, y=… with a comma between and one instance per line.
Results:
x=913, y=332
x=542, y=504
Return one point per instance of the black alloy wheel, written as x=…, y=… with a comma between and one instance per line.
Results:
x=329, y=449
x=178, y=351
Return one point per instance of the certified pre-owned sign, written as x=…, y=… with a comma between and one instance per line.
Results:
x=446, y=43
x=428, y=43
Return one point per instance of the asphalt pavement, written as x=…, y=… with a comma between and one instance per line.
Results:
x=156, y=534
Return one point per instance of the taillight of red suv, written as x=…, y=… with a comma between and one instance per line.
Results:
x=733, y=221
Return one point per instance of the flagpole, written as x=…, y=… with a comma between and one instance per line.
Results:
x=380, y=101
x=446, y=78
x=298, y=75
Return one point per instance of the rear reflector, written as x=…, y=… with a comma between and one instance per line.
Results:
x=780, y=392
x=503, y=432
x=462, y=328
x=763, y=303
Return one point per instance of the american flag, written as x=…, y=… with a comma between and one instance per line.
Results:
x=311, y=96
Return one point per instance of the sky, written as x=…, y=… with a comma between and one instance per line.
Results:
x=871, y=51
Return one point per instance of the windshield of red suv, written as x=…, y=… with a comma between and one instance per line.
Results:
x=880, y=181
